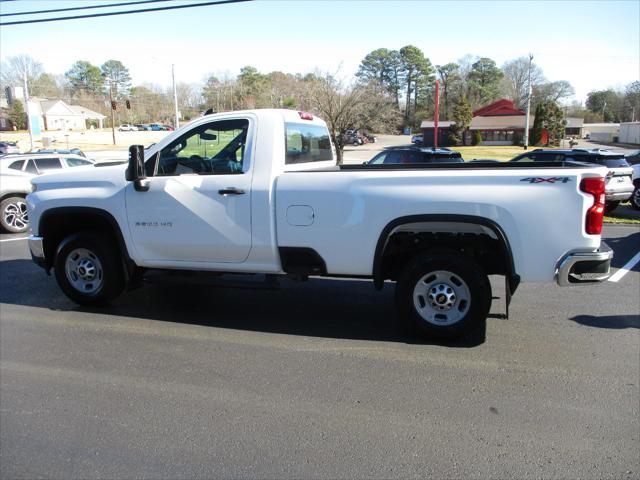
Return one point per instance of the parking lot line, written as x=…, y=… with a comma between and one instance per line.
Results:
x=625, y=269
x=14, y=239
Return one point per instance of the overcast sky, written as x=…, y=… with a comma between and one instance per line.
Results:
x=593, y=45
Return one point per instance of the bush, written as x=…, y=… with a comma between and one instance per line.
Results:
x=477, y=138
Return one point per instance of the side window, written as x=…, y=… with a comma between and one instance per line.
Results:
x=47, y=163
x=379, y=159
x=307, y=143
x=216, y=148
x=31, y=167
x=76, y=162
x=525, y=158
x=17, y=165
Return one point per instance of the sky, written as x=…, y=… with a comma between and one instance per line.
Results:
x=592, y=44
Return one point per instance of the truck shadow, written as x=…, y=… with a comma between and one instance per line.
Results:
x=329, y=308
x=624, y=248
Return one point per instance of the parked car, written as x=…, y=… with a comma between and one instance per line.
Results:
x=66, y=151
x=635, y=197
x=415, y=155
x=9, y=147
x=156, y=127
x=16, y=171
x=142, y=127
x=14, y=187
x=126, y=127
x=618, y=187
x=633, y=158
x=417, y=139
x=352, y=138
x=369, y=136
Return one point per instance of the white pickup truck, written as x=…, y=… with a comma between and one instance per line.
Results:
x=259, y=192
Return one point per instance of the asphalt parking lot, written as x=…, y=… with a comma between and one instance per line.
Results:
x=312, y=380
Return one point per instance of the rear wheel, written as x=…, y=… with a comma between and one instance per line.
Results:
x=635, y=198
x=88, y=269
x=610, y=206
x=443, y=296
x=13, y=215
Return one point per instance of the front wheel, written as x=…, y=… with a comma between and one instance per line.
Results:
x=443, y=296
x=13, y=217
x=635, y=198
x=88, y=268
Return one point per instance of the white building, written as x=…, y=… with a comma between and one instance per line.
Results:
x=630, y=132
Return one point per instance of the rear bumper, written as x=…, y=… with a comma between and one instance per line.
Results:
x=584, y=267
x=618, y=196
x=36, y=248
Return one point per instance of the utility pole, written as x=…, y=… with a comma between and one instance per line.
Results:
x=175, y=97
x=526, y=120
x=113, y=124
x=436, y=116
x=26, y=106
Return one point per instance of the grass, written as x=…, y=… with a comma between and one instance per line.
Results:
x=622, y=219
x=495, y=152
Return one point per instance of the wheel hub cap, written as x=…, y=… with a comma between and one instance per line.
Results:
x=84, y=270
x=15, y=215
x=441, y=298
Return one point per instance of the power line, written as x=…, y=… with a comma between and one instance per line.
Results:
x=157, y=9
x=79, y=8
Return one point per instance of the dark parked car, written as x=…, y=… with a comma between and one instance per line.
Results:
x=413, y=155
x=618, y=187
x=633, y=158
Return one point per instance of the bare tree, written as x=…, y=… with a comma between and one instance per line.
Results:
x=13, y=69
x=336, y=104
x=515, y=83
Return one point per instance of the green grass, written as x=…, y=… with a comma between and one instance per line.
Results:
x=489, y=152
x=622, y=219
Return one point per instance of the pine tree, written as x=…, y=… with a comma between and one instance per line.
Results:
x=17, y=116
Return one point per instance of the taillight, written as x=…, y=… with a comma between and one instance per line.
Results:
x=305, y=116
x=595, y=187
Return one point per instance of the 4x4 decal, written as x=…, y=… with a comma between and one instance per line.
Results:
x=546, y=180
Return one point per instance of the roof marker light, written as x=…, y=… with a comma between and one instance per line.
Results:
x=305, y=116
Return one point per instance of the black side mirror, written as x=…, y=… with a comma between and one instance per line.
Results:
x=135, y=171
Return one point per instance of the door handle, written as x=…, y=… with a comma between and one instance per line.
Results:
x=231, y=191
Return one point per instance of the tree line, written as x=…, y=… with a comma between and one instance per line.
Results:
x=392, y=89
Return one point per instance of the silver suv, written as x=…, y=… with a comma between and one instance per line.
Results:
x=618, y=186
x=16, y=172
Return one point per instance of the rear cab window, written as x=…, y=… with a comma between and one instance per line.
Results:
x=306, y=144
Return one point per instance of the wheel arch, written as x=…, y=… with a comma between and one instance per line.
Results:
x=378, y=275
x=57, y=223
x=13, y=194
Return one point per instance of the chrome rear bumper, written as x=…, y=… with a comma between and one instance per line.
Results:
x=584, y=267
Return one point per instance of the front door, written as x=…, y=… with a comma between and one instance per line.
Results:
x=198, y=206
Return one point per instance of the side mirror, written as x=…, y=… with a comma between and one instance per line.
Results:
x=135, y=170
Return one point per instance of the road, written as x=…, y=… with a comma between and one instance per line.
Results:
x=313, y=380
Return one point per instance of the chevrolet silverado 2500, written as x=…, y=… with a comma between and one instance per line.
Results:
x=259, y=192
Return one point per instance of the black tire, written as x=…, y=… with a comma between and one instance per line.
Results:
x=635, y=198
x=13, y=215
x=456, y=268
x=103, y=254
x=610, y=206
